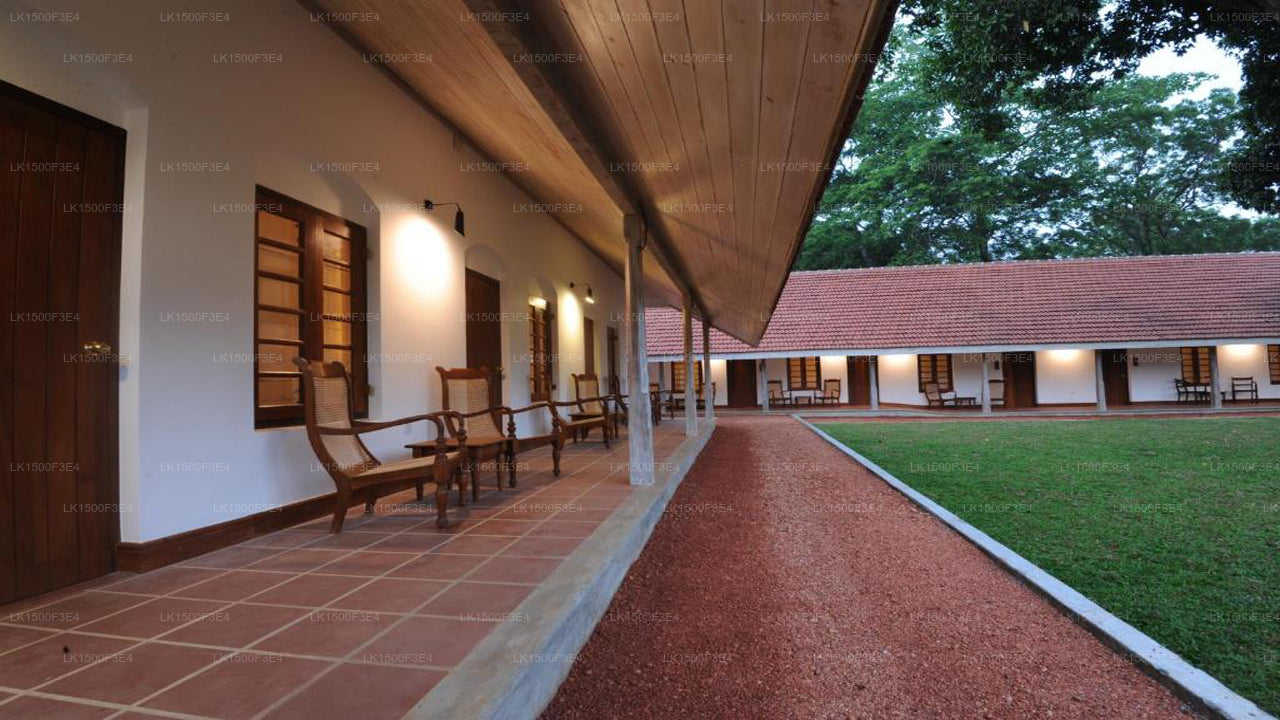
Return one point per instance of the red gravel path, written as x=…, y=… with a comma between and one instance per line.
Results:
x=787, y=582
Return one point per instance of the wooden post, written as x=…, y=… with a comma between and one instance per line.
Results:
x=690, y=389
x=986, y=386
x=873, y=369
x=1099, y=379
x=708, y=389
x=1215, y=394
x=762, y=383
x=640, y=419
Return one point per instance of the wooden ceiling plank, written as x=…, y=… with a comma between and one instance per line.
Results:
x=743, y=39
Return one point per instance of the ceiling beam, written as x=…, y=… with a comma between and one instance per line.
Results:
x=521, y=35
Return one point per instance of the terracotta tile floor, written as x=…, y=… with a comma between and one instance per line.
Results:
x=304, y=624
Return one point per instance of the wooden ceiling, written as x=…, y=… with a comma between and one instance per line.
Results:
x=715, y=119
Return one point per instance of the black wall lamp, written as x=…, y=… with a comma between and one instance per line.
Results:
x=590, y=298
x=459, y=220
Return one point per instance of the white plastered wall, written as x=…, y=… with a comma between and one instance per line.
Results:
x=325, y=128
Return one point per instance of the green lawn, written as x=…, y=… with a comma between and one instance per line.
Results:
x=1172, y=525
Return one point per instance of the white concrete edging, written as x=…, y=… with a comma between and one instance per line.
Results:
x=515, y=672
x=1186, y=680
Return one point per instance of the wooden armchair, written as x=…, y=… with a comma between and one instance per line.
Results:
x=778, y=396
x=1191, y=392
x=938, y=397
x=660, y=399
x=474, y=424
x=1246, y=386
x=335, y=437
x=591, y=403
x=830, y=392
x=580, y=422
x=554, y=438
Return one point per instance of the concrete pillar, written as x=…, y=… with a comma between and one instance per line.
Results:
x=762, y=383
x=640, y=417
x=690, y=388
x=1215, y=394
x=873, y=369
x=986, y=386
x=708, y=390
x=1099, y=379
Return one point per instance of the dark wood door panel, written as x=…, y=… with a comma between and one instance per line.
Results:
x=484, y=327
x=61, y=185
x=859, y=380
x=742, y=383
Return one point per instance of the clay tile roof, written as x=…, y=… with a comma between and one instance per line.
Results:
x=1037, y=302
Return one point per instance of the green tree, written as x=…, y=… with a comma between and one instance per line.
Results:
x=1134, y=166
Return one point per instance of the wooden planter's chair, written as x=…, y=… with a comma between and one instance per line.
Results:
x=555, y=438
x=592, y=409
x=659, y=399
x=830, y=392
x=1244, y=386
x=938, y=397
x=778, y=396
x=335, y=437
x=474, y=423
x=1191, y=392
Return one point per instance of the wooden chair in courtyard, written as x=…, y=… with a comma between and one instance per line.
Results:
x=778, y=396
x=554, y=436
x=466, y=392
x=591, y=409
x=335, y=433
x=830, y=392
x=1244, y=387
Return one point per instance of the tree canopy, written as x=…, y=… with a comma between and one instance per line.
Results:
x=955, y=166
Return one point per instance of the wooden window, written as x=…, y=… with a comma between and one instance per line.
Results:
x=1195, y=365
x=589, y=345
x=934, y=368
x=310, y=300
x=803, y=373
x=1273, y=363
x=677, y=376
x=539, y=354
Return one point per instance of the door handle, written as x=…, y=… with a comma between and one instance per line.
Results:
x=96, y=347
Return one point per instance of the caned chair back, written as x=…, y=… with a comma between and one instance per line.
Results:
x=1243, y=383
x=326, y=394
x=775, y=389
x=588, y=386
x=831, y=388
x=466, y=390
x=932, y=392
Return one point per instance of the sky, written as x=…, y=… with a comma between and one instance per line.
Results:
x=1204, y=56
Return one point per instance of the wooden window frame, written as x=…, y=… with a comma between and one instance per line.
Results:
x=1195, y=359
x=808, y=381
x=540, y=366
x=677, y=376
x=1273, y=363
x=927, y=371
x=314, y=225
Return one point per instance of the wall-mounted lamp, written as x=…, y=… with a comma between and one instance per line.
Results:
x=590, y=298
x=459, y=220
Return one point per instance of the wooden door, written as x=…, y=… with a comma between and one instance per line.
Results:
x=859, y=380
x=611, y=343
x=1115, y=376
x=1019, y=379
x=742, y=383
x=589, y=346
x=61, y=180
x=484, y=328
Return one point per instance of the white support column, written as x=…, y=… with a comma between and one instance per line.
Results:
x=1099, y=379
x=986, y=386
x=690, y=389
x=1215, y=393
x=873, y=369
x=640, y=417
x=762, y=383
x=708, y=388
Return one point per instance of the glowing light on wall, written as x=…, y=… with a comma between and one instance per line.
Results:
x=422, y=258
x=1065, y=356
x=540, y=303
x=1241, y=350
x=896, y=360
